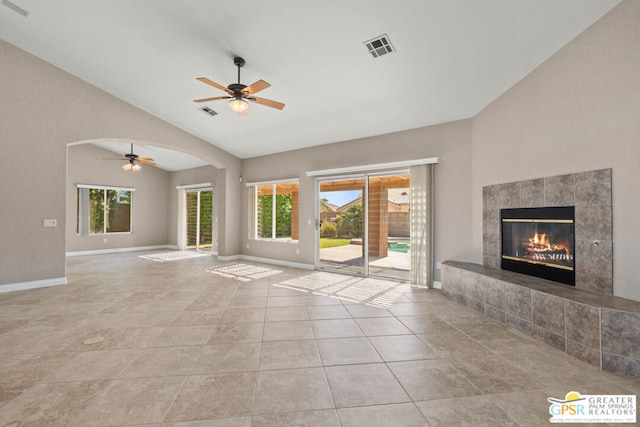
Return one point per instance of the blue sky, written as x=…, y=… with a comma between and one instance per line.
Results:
x=340, y=198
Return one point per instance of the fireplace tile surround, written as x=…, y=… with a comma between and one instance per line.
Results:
x=585, y=320
x=589, y=192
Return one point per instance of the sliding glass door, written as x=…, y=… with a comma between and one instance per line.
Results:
x=199, y=209
x=388, y=226
x=341, y=231
x=364, y=225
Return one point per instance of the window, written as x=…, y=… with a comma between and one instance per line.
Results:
x=102, y=210
x=273, y=210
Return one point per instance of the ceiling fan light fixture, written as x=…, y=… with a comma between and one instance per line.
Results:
x=132, y=161
x=131, y=166
x=239, y=105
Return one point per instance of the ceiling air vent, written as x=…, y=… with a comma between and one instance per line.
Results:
x=379, y=46
x=208, y=111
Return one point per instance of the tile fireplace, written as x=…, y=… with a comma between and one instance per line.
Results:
x=589, y=193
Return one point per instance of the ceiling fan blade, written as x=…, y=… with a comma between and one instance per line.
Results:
x=215, y=98
x=114, y=158
x=214, y=84
x=267, y=102
x=256, y=87
x=146, y=160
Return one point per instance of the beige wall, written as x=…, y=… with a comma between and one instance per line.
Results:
x=581, y=108
x=149, y=207
x=450, y=142
x=190, y=177
x=579, y=111
x=42, y=109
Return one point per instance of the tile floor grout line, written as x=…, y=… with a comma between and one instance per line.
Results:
x=255, y=385
x=169, y=284
x=324, y=371
x=193, y=364
x=184, y=380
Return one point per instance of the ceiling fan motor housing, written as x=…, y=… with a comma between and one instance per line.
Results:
x=238, y=61
x=236, y=87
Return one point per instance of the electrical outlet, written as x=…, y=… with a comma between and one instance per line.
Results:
x=298, y=251
x=49, y=223
x=438, y=265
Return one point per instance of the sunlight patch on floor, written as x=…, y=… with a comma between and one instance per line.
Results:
x=374, y=292
x=173, y=256
x=242, y=272
x=318, y=281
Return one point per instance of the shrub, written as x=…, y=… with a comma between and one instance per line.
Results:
x=328, y=229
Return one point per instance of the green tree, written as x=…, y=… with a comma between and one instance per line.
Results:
x=283, y=215
x=324, y=205
x=118, y=211
x=206, y=214
x=96, y=211
x=349, y=223
x=264, y=215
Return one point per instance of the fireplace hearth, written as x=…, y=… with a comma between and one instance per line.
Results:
x=539, y=242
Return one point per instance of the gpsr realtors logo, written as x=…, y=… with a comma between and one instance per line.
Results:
x=577, y=408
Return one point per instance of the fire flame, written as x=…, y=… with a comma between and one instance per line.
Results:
x=541, y=241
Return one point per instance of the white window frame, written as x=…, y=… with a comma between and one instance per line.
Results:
x=83, y=216
x=253, y=219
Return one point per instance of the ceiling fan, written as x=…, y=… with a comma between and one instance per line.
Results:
x=239, y=93
x=133, y=161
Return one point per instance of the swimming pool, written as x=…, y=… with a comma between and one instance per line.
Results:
x=399, y=245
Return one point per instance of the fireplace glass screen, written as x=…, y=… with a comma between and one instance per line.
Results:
x=539, y=242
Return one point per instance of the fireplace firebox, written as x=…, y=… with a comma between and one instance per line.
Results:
x=539, y=242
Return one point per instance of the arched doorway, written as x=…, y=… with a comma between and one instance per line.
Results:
x=152, y=198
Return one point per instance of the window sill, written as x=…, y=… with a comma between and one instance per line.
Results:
x=104, y=234
x=275, y=241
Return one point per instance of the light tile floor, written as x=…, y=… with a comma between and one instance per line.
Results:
x=183, y=345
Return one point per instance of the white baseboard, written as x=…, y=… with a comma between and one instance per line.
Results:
x=437, y=285
x=117, y=250
x=267, y=261
x=229, y=257
x=22, y=286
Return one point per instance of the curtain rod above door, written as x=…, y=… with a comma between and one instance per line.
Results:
x=203, y=185
x=371, y=167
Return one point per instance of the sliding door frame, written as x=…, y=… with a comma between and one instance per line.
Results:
x=182, y=212
x=365, y=209
x=199, y=192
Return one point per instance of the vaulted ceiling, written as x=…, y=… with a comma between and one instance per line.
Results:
x=451, y=59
